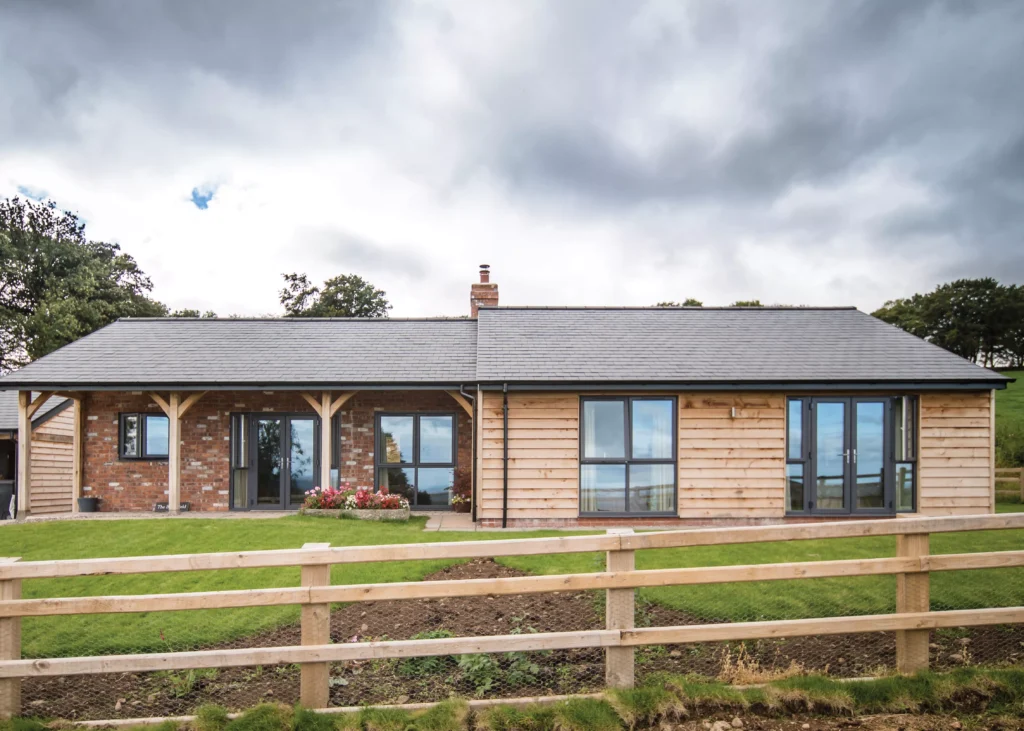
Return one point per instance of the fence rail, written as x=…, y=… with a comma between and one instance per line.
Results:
x=912, y=620
x=1010, y=474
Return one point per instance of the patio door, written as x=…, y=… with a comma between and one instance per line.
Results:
x=285, y=460
x=849, y=464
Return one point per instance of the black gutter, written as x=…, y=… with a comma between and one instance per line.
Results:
x=504, y=458
x=787, y=386
x=462, y=390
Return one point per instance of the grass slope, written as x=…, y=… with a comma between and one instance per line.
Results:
x=1010, y=422
x=158, y=631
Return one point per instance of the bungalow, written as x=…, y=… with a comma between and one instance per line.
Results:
x=563, y=416
x=52, y=458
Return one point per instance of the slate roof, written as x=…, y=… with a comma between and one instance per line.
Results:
x=515, y=345
x=222, y=352
x=9, y=409
x=707, y=345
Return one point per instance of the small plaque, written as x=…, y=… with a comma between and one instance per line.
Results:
x=162, y=507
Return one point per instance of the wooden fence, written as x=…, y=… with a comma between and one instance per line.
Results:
x=1010, y=474
x=912, y=620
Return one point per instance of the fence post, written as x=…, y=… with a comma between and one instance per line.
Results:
x=912, y=595
x=10, y=648
x=619, y=607
x=1020, y=473
x=314, y=689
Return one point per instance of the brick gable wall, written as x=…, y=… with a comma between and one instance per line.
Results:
x=205, y=442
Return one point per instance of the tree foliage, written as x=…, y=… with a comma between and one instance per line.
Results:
x=346, y=295
x=56, y=286
x=188, y=312
x=978, y=319
x=746, y=303
x=688, y=302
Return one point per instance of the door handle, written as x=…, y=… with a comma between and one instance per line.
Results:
x=847, y=455
x=855, y=456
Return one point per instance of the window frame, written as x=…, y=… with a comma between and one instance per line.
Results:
x=628, y=458
x=914, y=402
x=806, y=457
x=143, y=455
x=416, y=465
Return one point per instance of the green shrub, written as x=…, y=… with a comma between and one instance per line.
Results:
x=419, y=666
x=481, y=671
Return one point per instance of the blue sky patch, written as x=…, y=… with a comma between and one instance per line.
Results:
x=36, y=194
x=201, y=197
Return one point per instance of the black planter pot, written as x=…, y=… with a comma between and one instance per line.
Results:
x=88, y=504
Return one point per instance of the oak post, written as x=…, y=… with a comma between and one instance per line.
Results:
x=912, y=595
x=10, y=647
x=325, y=440
x=24, y=454
x=619, y=607
x=174, y=455
x=76, y=466
x=316, y=630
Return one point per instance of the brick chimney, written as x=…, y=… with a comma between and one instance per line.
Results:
x=483, y=294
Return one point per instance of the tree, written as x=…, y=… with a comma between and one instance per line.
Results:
x=347, y=295
x=746, y=303
x=978, y=319
x=187, y=312
x=688, y=302
x=56, y=286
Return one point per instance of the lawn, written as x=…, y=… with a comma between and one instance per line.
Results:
x=1010, y=422
x=155, y=631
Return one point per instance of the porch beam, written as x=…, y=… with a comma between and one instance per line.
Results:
x=173, y=452
x=159, y=401
x=37, y=404
x=311, y=400
x=325, y=439
x=341, y=400
x=25, y=412
x=461, y=400
x=189, y=402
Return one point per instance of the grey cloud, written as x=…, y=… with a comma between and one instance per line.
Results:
x=352, y=254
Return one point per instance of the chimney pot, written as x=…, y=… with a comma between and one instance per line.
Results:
x=483, y=294
x=485, y=274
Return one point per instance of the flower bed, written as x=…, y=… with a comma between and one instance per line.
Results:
x=359, y=503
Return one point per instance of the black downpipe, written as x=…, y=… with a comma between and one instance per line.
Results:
x=472, y=400
x=504, y=458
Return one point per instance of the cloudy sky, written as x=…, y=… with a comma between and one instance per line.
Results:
x=606, y=153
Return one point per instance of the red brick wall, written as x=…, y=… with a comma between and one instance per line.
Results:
x=205, y=443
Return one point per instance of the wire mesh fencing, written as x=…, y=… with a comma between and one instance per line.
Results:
x=494, y=675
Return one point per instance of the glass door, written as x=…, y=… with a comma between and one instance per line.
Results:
x=284, y=458
x=302, y=459
x=870, y=493
x=265, y=492
x=830, y=455
x=848, y=460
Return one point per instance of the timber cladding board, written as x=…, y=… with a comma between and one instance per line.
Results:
x=53, y=464
x=732, y=467
x=955, y=459
x=543, y=451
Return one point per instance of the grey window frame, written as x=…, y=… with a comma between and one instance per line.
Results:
x=378, y=452
x=143, y=455
x=889, y=468
x=628, y=459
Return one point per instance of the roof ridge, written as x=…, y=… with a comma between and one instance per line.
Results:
x=652, y=308
x=294, y=319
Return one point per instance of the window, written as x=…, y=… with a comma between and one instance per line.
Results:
x=797, y=454
x=144, y=436
x=851, y=454
x=904, y=413
x=239, y=461
x=627, y=456
x=416, y=457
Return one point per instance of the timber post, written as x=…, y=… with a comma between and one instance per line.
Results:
x=619, y=609
x=912, y=595
x=10, y=647
x=314, y=688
